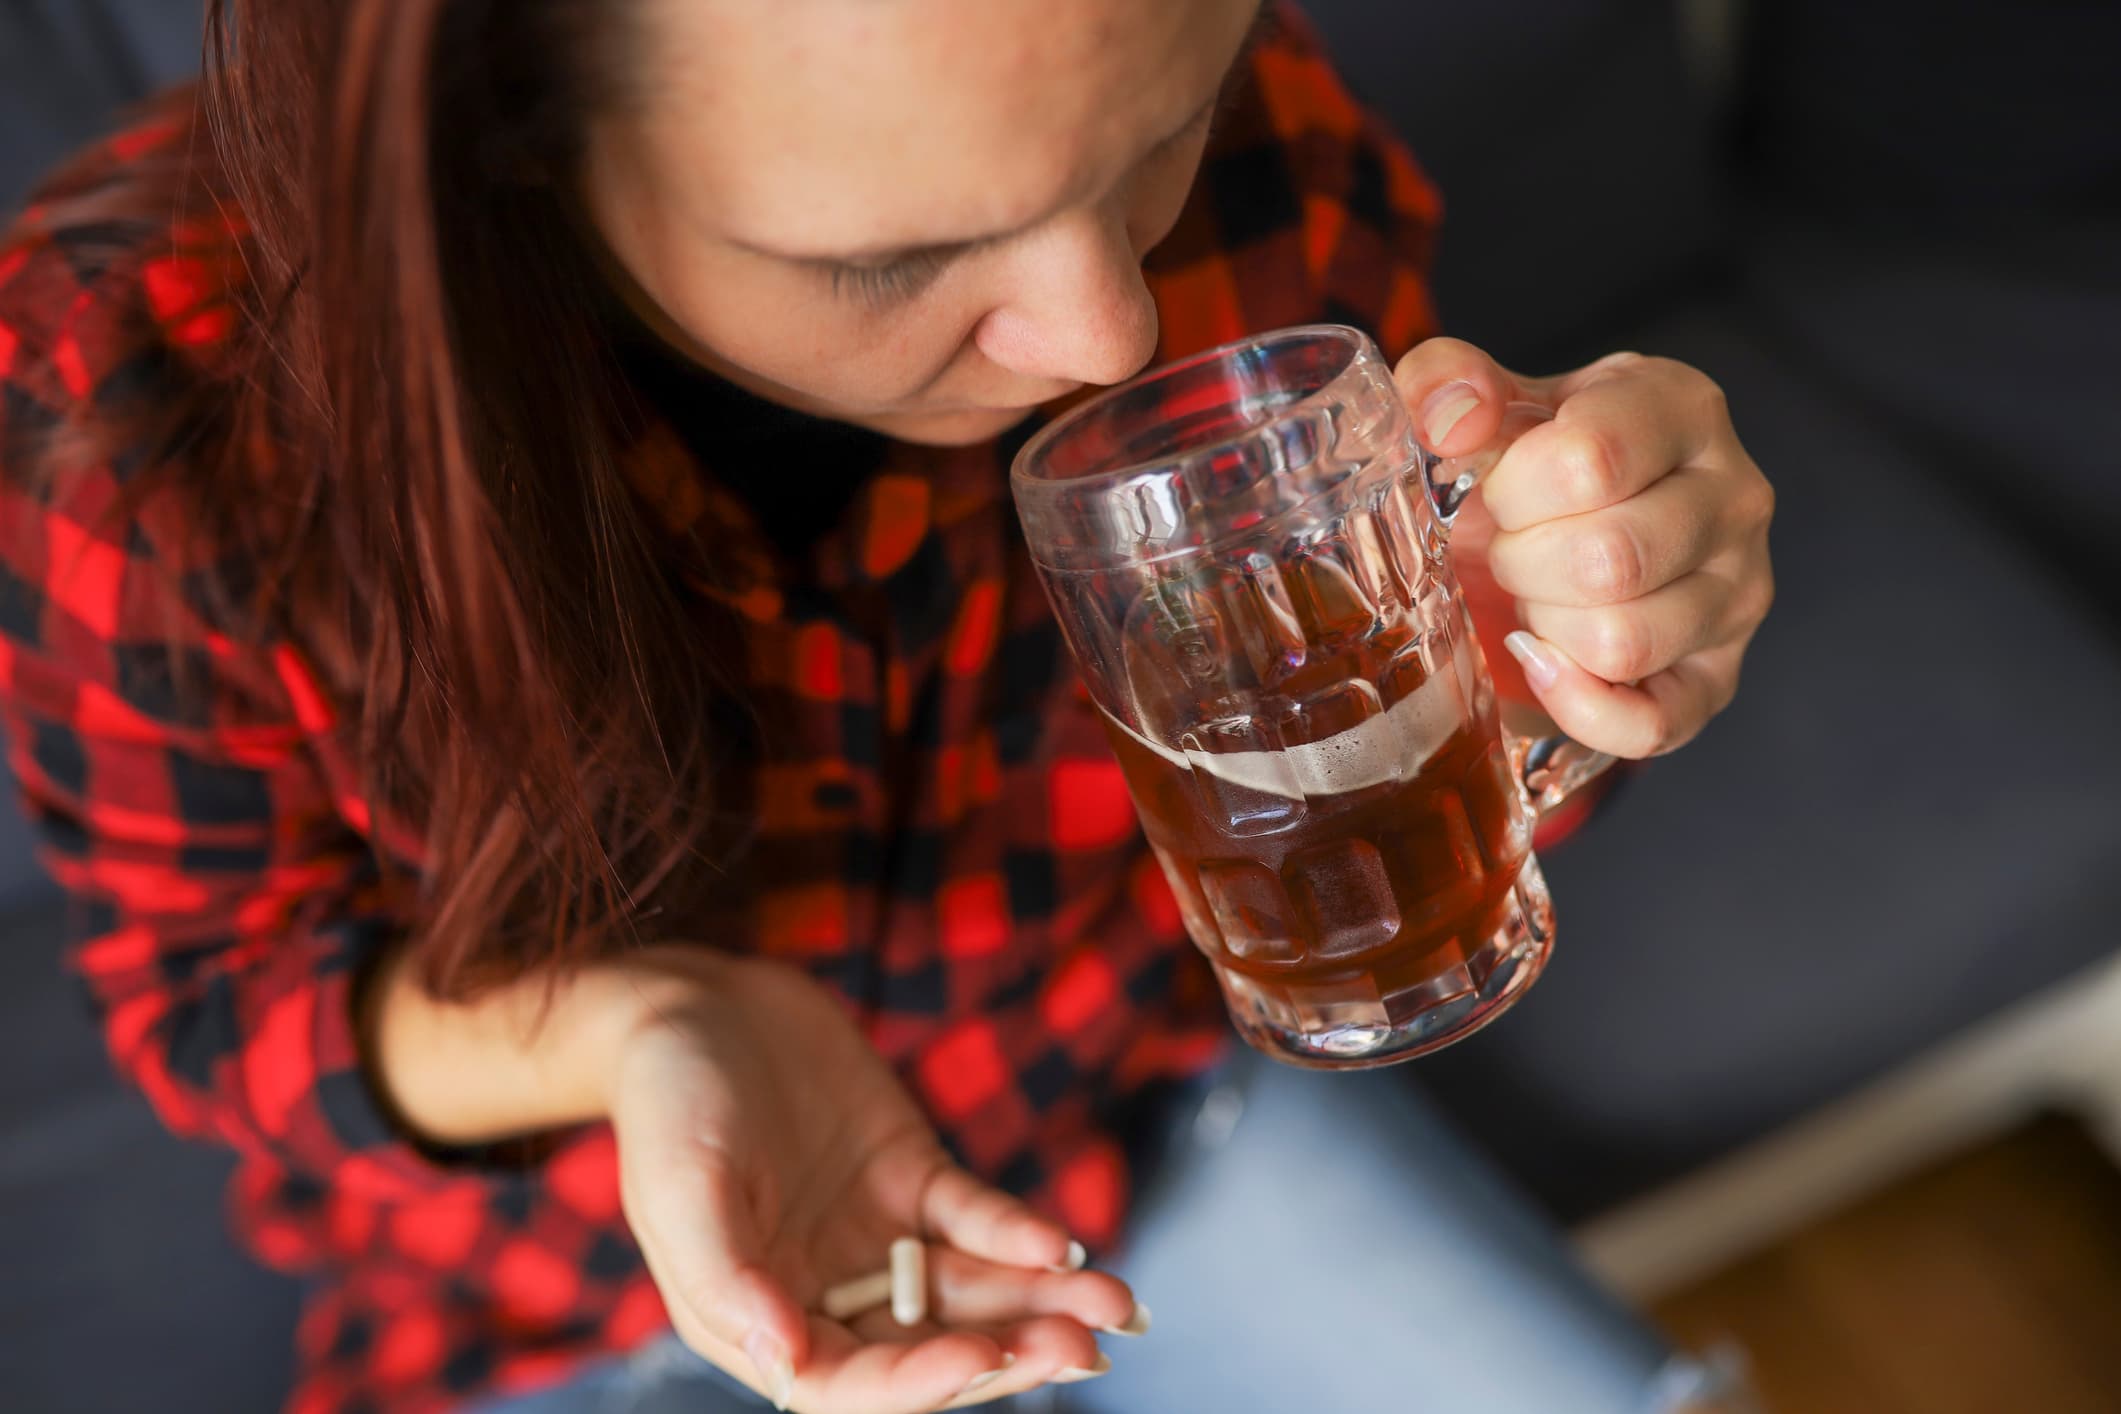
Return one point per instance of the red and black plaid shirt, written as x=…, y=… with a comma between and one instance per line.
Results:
x=943, y=836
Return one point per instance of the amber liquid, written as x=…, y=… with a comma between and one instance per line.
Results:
x=1384, y=892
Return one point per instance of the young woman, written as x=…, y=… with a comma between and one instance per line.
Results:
x=515, y=635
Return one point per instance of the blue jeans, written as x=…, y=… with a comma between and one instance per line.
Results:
x=1314, y=1242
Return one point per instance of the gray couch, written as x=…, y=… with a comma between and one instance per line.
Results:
x=1894, y=234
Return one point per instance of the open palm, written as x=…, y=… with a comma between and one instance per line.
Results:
x=767, y=1154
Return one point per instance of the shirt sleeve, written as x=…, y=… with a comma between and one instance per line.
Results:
x=1368, y=213
x=223, y=902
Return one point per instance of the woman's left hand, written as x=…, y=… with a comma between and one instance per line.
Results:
x=1631, y=532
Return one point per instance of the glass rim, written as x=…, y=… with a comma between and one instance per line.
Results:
x=1072, y=420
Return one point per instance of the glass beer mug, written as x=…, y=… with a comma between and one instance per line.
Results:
x=1246, y=552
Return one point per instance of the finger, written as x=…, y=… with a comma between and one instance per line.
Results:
x=918, y=1371
x=1616, y=554
x=1626, y=643
x=1612, y=436
x=697, y=1226
x=1049, y=1350
x=1693, y=690
x=980, y=1219
x=1698, y=397
x=1456, y=394
x=969, y=1291
x=1634, y=723
x=1032, y=1342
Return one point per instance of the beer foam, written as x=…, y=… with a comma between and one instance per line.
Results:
x=1390, y=746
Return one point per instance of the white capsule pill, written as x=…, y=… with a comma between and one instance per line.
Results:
x=852, y=1298
x=909, y=1281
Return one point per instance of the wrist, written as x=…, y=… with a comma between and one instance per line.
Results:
x=624, y=1001
x=534, y=1055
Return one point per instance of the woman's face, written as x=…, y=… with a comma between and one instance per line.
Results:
x=922, y=216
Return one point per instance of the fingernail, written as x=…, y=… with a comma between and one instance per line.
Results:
x=1072, y=1374
x=1540, y=666
x=980, y=1382
x=770, y=1358
x=1074, y=1261
x=1137, y=1323
x=1446, y=408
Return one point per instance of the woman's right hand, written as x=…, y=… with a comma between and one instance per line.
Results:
x=767, y=1153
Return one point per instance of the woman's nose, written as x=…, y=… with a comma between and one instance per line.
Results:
x=1077, y=309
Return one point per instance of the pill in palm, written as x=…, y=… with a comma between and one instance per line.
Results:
x=852, y=1298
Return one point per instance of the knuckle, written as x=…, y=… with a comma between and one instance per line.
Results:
x=1754, y=502
x=1608, y=565
x=1707, y=392
x=1758, y=597
x=1724, y=691
x=1655, y=732
x=1686, y=383
x=1630, y=730
x=1622, y=648
x=1592, y=467
x=1675, y=740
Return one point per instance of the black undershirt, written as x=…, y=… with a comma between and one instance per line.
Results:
x=796, y=473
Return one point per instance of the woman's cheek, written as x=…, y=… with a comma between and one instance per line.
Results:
x=786, y=336
x=884, y=357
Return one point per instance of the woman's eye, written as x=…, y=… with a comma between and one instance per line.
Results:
x=899, y=280
x=893, y=282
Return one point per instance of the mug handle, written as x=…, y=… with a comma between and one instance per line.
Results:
x=1551, y=768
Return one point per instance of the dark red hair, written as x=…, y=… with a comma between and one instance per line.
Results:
x=417, y=437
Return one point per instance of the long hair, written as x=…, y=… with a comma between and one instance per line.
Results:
x=416, y=449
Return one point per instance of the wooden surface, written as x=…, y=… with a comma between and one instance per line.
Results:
x=1990, y=1284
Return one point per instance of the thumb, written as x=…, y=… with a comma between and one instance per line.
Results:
x=1457, y=394
x=699, y=1229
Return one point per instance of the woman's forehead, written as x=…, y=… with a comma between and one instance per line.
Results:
x=823, y=126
